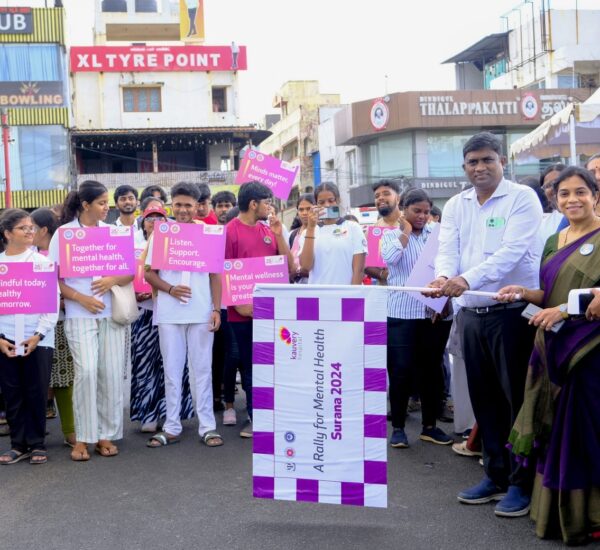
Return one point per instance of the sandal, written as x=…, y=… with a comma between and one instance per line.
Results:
x=38, y=456
x=50, y=409
x=212, y=439
x=15, y=456
x=79, y=455
x=162, y=439
x=106, y=450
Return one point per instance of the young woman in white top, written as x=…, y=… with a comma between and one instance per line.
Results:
x=333, y=250
x=24, y=379
x=97, y=343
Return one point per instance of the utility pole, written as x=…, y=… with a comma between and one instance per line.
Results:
x=5, y=142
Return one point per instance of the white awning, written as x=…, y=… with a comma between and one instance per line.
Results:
x=552, y=137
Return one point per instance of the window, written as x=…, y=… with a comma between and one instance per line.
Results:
x=444, y=153
x=140, y=99
x=39, y=157
x=30, y=62
x=114, y=6
x=572, y=80
x=351, y=166
x=390, y=157
x=146, y=6
x=219, y=99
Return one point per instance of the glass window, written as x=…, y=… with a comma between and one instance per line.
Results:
x=219, y=99
x=114, y=5
x=30, y=62
x=569, y=81
x=39, y=157
x=146, y=6
x=390, y=157
x=142, y=100
x=444, y=153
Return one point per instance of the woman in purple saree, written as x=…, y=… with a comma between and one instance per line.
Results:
x=558, y=427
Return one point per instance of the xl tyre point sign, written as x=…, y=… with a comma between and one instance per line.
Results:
x=16, y=21
x=122, y=59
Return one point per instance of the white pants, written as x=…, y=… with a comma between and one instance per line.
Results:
x=194, y=341
x=98, y=349
x=464, y=419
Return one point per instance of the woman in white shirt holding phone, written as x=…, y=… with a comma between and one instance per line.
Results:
x=333, y=250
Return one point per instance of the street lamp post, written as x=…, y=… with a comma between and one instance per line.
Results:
x=5, y=142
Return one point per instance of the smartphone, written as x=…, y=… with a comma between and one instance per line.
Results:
x=330, y=213
x=579, y=300
x=532, y=309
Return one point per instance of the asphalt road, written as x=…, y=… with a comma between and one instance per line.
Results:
x=188, y=496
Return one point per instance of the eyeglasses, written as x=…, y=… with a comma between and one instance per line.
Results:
x=27, y=228
x=153, y=219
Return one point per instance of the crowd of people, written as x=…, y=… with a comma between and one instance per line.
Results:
x=522, y=371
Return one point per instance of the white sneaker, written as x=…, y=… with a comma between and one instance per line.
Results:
x=229, y=418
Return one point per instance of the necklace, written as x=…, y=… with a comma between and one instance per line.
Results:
x=566, y=236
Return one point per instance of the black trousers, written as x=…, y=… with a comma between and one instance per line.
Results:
x=218, y=356
x=24, y=382
x=243, y=336
x=414, y=360
x=496, y=348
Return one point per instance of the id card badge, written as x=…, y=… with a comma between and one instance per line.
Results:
x=494, y=231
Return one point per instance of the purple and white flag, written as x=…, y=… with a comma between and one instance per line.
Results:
x=319, y=394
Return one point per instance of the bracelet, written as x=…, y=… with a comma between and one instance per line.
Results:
x=170, y=288
x=217, y=311
x=307, y=237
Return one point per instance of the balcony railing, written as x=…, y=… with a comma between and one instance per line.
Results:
x=164, y=179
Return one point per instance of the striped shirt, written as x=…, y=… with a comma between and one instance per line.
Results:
x=400, y=262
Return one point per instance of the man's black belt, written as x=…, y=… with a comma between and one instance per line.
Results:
x=496, y=307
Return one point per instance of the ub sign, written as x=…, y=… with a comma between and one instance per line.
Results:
x=16, y=21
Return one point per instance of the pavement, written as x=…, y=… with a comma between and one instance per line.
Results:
x=189, y=496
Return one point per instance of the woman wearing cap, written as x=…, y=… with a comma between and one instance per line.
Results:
x=147, y=376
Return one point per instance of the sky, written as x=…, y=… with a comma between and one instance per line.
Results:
x=349, y=46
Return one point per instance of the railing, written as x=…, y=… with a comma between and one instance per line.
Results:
x=164, y=179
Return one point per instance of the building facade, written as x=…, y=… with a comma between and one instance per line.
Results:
x=545, y=45
x=295, y=137
x=34, y=95
x=149, y=107
x=417, y=138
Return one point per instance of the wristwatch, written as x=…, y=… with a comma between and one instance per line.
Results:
x=39, y=335
x=563, y=308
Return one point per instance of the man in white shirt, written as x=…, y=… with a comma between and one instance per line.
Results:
x=487, y=241
x=187, y=315
x=126, y=201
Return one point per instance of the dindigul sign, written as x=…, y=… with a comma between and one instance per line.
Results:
x=31, y=94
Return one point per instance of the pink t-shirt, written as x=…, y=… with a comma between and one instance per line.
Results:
x=247, y=241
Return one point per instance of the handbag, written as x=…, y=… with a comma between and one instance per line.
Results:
x=124, y=305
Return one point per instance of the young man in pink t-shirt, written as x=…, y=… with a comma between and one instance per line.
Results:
x=247, y=237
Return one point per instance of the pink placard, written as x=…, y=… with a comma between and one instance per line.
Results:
x=240, y=276
x=139, y=281
x=96, y=251
x=28, y=287
x=424, y=271
x=374, y=235
x=188, y=247
x=277, y=175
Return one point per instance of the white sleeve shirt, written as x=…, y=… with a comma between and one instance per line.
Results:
x=491, y=245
